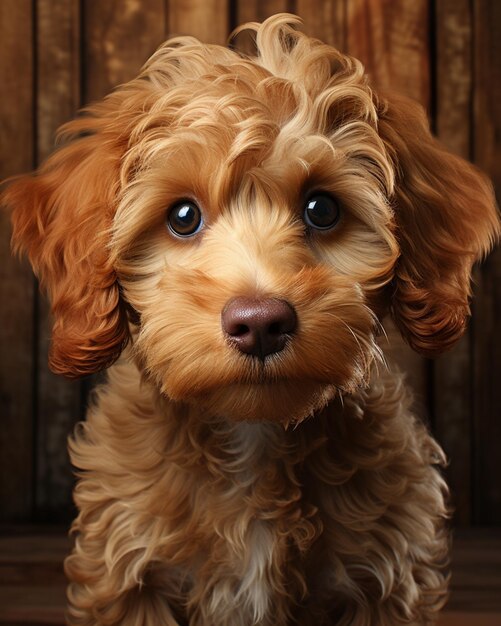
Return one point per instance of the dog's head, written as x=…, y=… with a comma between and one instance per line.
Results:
x=253, y=219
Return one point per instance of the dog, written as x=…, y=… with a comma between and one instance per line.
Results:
x=225, y=233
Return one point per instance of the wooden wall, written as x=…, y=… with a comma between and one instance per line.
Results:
x=56, y=55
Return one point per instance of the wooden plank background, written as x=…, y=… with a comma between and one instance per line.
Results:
x=56, y=55
x=17, y=289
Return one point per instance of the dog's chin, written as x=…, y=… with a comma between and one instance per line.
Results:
x=285, y=402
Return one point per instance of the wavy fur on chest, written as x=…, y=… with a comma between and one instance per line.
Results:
x=223, y=523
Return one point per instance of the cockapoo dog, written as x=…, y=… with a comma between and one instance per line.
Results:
x=235, y=228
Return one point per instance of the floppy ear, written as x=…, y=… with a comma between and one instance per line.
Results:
x=446, y=220
x=61, y=217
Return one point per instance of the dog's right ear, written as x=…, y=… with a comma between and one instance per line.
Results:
x=446, y=220
x=61, y=219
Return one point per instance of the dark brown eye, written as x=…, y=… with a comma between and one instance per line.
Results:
x=184, y=219
x=322, y=212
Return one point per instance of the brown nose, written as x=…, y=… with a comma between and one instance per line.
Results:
x=258, y=327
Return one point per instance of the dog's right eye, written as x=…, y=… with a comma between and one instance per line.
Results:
x=322, y=212
x=184, y=219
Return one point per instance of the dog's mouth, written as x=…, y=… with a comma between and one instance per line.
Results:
x=270, y=389
x=285, y=386
x=284, y=401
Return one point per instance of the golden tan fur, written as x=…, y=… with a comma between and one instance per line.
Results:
x=216, y=490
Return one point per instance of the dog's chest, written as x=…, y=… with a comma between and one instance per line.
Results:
x=256, y=524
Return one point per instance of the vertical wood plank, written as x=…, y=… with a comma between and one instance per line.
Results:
x=58, y=400
x=119, y=37
x=454, y=74
x=487, y=146
x=208, y=20
x=58, y=67
x=487, y=305
x=16, y=280
x=391, y=38
x=258, y=10
x=325, y=20
x=453, y=371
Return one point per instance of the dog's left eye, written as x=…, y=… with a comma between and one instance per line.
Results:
x=184, y=219
x=322, y=212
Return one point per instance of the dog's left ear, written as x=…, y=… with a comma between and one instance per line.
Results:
x=446, y=220
x=61, y=219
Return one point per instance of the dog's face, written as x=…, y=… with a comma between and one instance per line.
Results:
x=255, y=218
x=250, y=239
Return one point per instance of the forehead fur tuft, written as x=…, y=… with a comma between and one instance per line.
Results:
x=289, y=71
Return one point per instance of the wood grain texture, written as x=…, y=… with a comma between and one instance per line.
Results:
x=32, y=581
x=208, y=20
x=259, y=10
x=452, y=372
x=58, y=400
x=487, y=148
x=467, y=618
x=16, y=280
x=325, y=20
x=391, y=37
x=58, y=69
x=118, y=38
x=476, y=571
x=454, y=74
x=487, y=303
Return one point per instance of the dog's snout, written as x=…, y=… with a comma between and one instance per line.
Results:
x=258, y=326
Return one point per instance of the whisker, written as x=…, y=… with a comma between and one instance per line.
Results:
x=371, y=353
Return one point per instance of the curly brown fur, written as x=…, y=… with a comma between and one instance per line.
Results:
x=216, y=487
